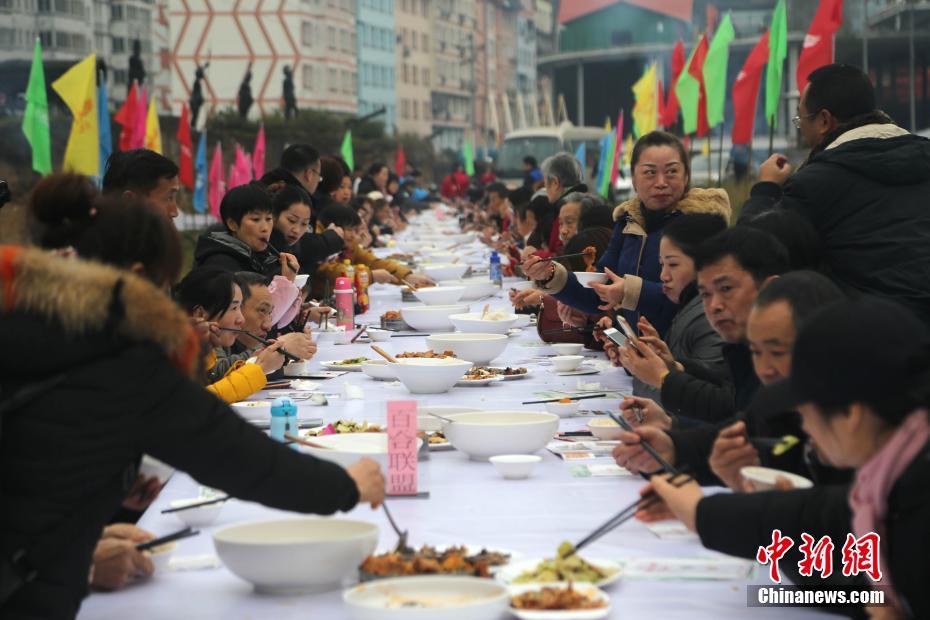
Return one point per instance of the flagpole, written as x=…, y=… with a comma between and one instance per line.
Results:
x=720, y=157
x=710, y=162
x=771, y=135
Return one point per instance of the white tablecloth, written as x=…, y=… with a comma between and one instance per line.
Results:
x=468, y=503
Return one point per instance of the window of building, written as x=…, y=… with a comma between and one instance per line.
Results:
x=331, y=37
x=119, y=45
x=425, y=76
x=404, y=74
x=333, y=81
x=404, y=109
x=116, y=11
x=415, y=108
x=308, y=76
x=120, y=76
x=414, y=38
x=344, y=40
x=306, y=34
x=413, y=76
x=346, y=82
x=425, y=45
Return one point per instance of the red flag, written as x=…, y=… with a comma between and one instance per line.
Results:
x=126, y=116
x=818, y=44
x=138, y=134
x=187, y=149
x=217, y=188
x=670, y=114
x=746, y=91
x=258, y=157
x=400, y=160
x=696, y=69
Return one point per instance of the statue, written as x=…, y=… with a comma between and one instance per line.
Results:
x=245, y=93
x=136, y=70
x=290, y=102
x=196, y=100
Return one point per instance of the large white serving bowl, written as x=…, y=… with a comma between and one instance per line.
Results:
x=285, y=556
x=429, y=423
x=472, y=323
x=378, y=369
x=479, y=348
x=587, y=278
x=253, y=410
x=423, y=375
x=431, y=318
x=475, y=288
x=439, y=295
x=441, y=597
x=444, y=271
x=483, y=434
x=346, y=449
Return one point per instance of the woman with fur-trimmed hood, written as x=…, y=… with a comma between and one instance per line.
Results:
x=661, y=178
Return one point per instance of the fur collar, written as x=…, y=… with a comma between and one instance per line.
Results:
x=881, y=131
x=697, y=200
x=79, y=295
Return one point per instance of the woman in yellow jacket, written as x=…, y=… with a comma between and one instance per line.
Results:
x=383, y=270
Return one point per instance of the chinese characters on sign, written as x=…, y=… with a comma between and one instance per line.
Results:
x=860, y=555
x=402, y=447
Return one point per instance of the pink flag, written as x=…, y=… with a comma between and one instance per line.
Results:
x=258, y=157
x=614, y=171
x=217, y=187
x=243, y=165
x=138, y=136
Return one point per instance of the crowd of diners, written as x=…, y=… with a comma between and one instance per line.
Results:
x=792, y=332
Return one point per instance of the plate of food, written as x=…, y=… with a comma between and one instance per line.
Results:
x=510, y=373
x=342, y=426
x=576, y=601
x=353, y=364
x=436, y=440
x=564, y=567
x=424, y=354
x=478, y=377
x=463, y=560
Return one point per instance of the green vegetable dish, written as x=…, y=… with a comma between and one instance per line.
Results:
x=352, y=361
x=566, y=566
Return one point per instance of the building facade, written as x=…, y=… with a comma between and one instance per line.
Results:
x=414, y=66
x=376, y=60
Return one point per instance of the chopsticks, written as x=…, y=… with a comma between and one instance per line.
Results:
x=267, y=343
x=209, y=502
x=564, y=256
x=156, y=542
x=304, y=442
x=290, y=263
x=627, y=513
x=620, y=420
x=359, y=334
x=383, y=354
x=555, y=400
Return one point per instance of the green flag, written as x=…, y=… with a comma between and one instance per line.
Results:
x=468, y=156
x=35, y=119
x=778, y=49
x=346, y=150
x=688, y=90
x=715, y=71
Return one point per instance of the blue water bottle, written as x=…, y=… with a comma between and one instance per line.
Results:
x=494, y=270
x=283, y=419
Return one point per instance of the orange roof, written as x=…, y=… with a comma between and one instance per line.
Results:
x=681, y=9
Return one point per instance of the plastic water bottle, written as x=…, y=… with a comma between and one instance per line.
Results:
x=283, y=419
x=494, y=270
x=345, y=306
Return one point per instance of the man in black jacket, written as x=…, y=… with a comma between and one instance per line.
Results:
x=864, y=188
x=300, y=165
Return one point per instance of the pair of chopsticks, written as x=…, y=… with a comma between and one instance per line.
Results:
x=290, y=263
x=564, y=256
x=208, y=502
x=267, y=343
x=156, y=542
x=555, y=400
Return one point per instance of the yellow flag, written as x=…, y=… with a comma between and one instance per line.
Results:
x=78, y=88
x=646, y=108
x=628, y=150
x=607, y=124
x=152, y=130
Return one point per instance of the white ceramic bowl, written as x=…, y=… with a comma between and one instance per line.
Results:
x=428, y=423
x=201, y=516
x=586, y=278
x=484, y=434
x=563, y=410
x=448, y=597
x=477, y=348
x=438, y=257
x=763, y=478
x=444, y=271
x=439, y=295
x=475, y=288
x=515, y=466
x=431, y=318
x=153, y=468
x=523, y=320
x=567, y=363
x=379, y=335
x=298, y=369
x=430, y=375
x=567, y=348
x=379, y=369
x=471, y=322
x=253, y=410
x=295, y=555
x=346, y=449
x=605, y=429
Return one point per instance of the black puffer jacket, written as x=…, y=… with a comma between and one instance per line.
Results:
x=224, y=251
x=867, y=197
x=125, y=356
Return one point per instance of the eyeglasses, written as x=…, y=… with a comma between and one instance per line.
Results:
x=797, y=119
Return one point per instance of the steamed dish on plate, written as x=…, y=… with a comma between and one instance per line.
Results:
x=430, y=561
x=553, y=599
x=424, y=354
x=345, y=426
x=566, y=566
x=352, y=361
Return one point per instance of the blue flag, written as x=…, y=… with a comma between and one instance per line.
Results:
x=602, y=162
x=581, y=156
x=103, y=127
x=200, y=175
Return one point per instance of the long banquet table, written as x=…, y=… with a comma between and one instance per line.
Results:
x=468, y=503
